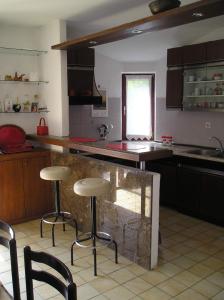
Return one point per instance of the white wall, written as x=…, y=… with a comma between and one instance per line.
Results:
x=54, y=69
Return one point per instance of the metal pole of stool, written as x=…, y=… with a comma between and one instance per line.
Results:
x=93, y=208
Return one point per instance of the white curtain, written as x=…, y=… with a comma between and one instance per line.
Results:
x=138, y=106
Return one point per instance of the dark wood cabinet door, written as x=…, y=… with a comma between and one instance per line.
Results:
x=81, y=57
x=174, y=57
x=168, y=182
x=215, y=51
x=38, y=192
x=189, y=190
x=174, y=88
x=194, y=54
x=12, y=201
x=212, y=203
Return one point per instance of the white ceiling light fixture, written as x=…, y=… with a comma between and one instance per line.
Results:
x=92, y=42
x=136, y=31
x=198, y=15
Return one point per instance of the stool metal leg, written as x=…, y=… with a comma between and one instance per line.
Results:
x=93, y=207
x=52, y=232
x=93, y=235
x=41, y=227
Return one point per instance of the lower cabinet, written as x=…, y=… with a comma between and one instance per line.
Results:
x=192, y=188
x=23, y=195
x=168, y=184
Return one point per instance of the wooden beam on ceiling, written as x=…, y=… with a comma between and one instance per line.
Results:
x=194, y=12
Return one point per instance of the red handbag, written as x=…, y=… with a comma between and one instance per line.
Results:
x=42, y=129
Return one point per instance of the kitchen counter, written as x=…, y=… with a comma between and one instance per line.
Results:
x=129, y=150
x=137, y=151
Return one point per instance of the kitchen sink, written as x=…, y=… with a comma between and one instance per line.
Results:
x=207, y=152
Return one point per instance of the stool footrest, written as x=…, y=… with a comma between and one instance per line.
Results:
x=64, y=218
x=100, y=235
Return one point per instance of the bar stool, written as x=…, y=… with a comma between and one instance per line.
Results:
x=93, y=187
x=56, y=174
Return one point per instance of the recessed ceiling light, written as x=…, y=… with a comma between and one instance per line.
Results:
x=136, y=31
x=197, y=14
x=93, y=42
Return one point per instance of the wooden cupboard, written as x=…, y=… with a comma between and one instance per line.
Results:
x=194, y=54
x=174, y=57
x=215, y=51
x=174, y=88
x=23, y=195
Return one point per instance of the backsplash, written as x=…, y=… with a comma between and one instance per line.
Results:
x=188, y=127
x=81, y=122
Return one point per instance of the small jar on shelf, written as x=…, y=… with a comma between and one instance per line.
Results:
x=218, y=89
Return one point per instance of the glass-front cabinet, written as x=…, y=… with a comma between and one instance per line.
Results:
x=204, y=88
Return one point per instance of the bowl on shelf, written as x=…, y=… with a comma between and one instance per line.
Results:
x=158, y=6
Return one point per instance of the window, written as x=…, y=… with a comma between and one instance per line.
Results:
x=137, y=106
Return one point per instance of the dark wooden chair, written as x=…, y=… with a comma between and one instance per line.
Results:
x=10, y=243
x=67, y=290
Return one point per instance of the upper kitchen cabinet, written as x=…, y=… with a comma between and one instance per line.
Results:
x=215, y=51
x=81, y=57
x=174, y=57
x=174, y=88
x=82, y=88
x=194, y=54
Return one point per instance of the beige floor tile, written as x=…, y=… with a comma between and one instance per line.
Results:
x=168, y=255
x=200, y=270
x=100, y=297
x=122, y=275
x=197, y=255
x=183, y=262
x=190, y=294
x=155, y=294
x=187, y=278
x=45, y=291
x=103, y=284
x=88, y=274
x=136, y=269
x=207, y=288
x=213, y=263
x=169, y=269
x=220, y=255
x=119, y=292
x=219, y=296
x=137, y=285
x=108, y=267
x=172, y=287
x=181, y=249
x=86, y=291
x=154, y=277
x=78, y=280
x=217, y=278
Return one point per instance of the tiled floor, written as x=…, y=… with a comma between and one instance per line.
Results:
x=191, y=264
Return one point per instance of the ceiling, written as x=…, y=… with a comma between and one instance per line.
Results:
x=86, y=15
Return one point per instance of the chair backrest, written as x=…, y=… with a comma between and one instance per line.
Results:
x=68, y=290
x=10, y=243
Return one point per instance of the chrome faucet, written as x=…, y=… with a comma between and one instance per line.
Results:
x=221, y=149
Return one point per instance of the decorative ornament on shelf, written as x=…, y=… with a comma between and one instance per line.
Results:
x=159, y=6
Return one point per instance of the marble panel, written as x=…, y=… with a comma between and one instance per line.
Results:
x=124, y=212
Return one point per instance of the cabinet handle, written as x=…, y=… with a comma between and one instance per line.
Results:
x=179, y=165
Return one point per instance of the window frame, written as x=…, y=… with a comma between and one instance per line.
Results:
x=124, y=102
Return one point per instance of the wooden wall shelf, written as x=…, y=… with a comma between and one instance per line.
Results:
x=171, y=18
